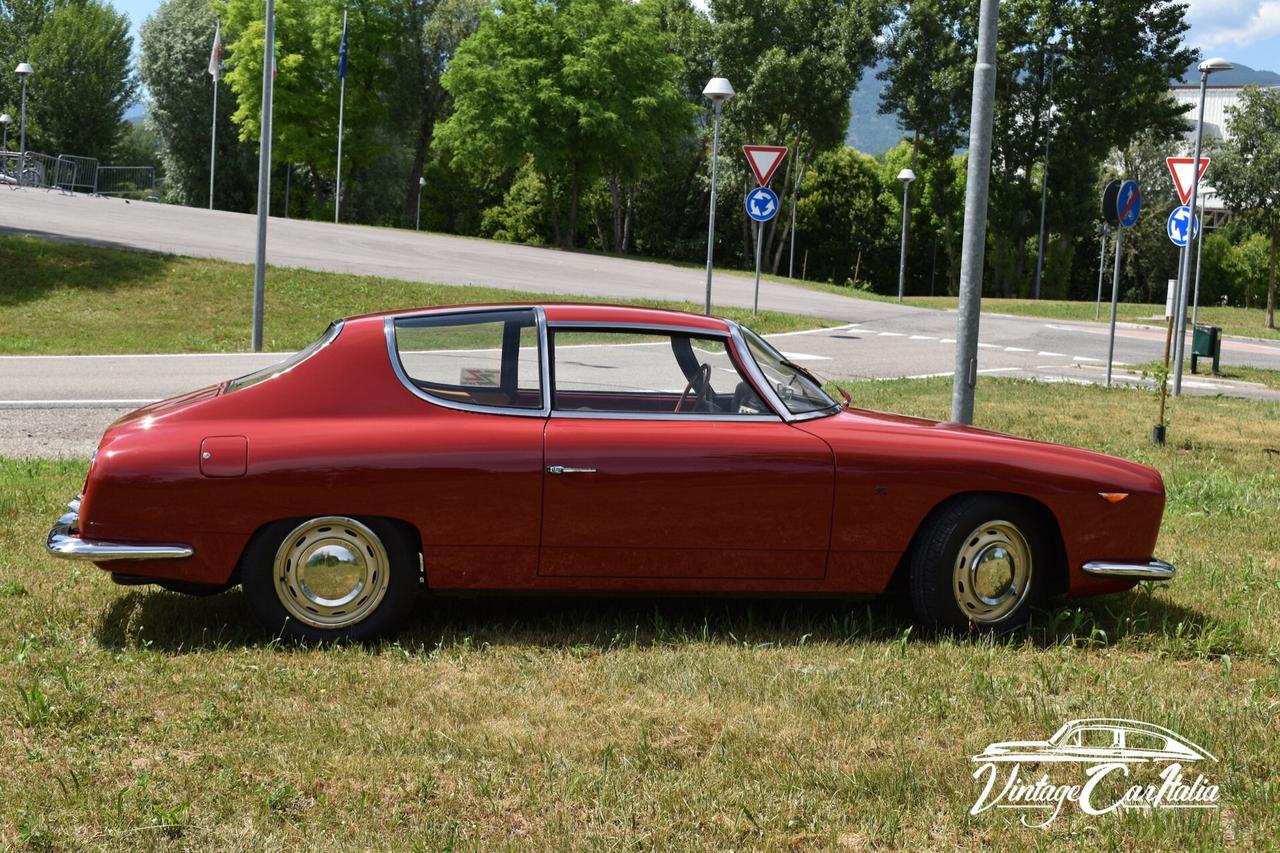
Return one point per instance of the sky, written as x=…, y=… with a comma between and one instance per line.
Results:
x=1244, y=31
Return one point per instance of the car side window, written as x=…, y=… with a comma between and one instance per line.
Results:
x=1095, y=738
x=486, y=358
x=648, y=372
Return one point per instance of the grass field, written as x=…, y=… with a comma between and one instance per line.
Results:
x=132, y=719
x=79, y=299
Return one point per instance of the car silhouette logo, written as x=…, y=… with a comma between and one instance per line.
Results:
x=1099, y=740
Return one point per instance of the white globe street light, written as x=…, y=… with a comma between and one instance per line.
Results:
x=5, y=120
x=24, y=70
x=417, y=217
x=717, y=91
x=1209, y=66
x=906, y=176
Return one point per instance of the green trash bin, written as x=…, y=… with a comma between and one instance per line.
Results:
x=1206, y=342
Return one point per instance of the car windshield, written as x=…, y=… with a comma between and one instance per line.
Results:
x=285, y=366
x=798, y=389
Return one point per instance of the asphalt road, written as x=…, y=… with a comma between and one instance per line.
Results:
x=58, y=405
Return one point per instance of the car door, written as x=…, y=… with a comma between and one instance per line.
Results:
x=651, y=473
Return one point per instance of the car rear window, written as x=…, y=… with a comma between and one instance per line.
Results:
x=288, y=364
x=486, y=358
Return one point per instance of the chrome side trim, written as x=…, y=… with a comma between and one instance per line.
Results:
x=393, y=355
x=1155, y=570
x=62, y=543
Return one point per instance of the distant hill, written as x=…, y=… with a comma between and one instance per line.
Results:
x=135, y=114
x=869, y=131
x=1241, y=75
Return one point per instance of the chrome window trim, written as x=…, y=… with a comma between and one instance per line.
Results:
x=762, y=381
x=540, y=322
x=606, y=326
x=724, y=334
x=660, y=416
x=330, y=335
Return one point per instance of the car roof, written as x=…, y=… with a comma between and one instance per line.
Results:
x=575, y=312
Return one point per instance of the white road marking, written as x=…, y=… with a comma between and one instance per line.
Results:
x=1017, y=349
x=947, y=341
x=278, y=355
x=1085, y=358
x=804, y=356
x=923, y=338
x=75, y=402
x=1052, y=354
x=985, y=370
x=892, y=334
x=987, y=346
x=844, y=328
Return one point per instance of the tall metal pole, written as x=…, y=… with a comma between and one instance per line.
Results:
x=1102, y=264
x=1184, y=274
x=755, y=304
x=264, y=176
x=974, y=241
x=906, y=224
x=342, y=99
x=1115, y=302
x=1044, y=188
x=213, y=140
x=711, y=224
x=1199, y=235
x=22, y=130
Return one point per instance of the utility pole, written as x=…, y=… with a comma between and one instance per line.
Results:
x=973, y=247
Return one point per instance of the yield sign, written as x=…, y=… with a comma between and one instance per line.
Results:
x=764, y=160
x=1180, y=168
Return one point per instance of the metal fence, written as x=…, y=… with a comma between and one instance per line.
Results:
x=76, y=174
x=132, y=181
x=37, y=170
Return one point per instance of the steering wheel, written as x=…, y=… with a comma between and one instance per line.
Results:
x=701, y=381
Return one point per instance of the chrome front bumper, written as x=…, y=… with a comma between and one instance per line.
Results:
x=63, y=542
x=1155, y=570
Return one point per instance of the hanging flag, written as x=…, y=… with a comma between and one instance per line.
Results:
x=215, y=55
x=342, y=49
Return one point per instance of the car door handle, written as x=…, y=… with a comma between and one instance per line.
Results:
x=560, y=469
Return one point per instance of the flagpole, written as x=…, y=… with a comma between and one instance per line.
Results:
x=342, y=97
x=264, y=175
x=215, y=71
x=213, y=140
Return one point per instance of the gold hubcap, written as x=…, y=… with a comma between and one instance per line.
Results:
x=331, y=572
x=993, y=572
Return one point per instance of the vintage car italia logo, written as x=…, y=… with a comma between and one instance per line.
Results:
x=1097, y=765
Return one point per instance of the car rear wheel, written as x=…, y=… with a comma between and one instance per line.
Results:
x=331, y=578
x=979, y=564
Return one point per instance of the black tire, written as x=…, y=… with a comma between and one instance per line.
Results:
x=265, y=589
x=947, y=596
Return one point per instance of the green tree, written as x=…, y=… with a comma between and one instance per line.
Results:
x=174, y=65
x=581, y=89
x=76, y=101
x=20, y=20
x=842, y=220
x=305, y=98
x=794, y=64
x=1247, y=171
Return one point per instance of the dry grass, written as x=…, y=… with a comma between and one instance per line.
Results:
x=139, y=720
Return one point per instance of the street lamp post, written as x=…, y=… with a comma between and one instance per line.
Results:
x=1044, y=174
x=906, y=176
x=24, y=70
x=1209, y=66
x=5, y=120
x=417, y=216
x=717, y=91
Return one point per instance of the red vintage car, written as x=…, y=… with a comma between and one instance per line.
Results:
x=574, y=448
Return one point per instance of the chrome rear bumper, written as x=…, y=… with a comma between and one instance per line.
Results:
x=1155, y=570
x=63, y=542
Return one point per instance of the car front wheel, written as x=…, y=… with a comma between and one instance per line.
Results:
x=980, y=563
x=331, y=578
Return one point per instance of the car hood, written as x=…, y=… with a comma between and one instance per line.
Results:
x=853, y=429
x=166, y=407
